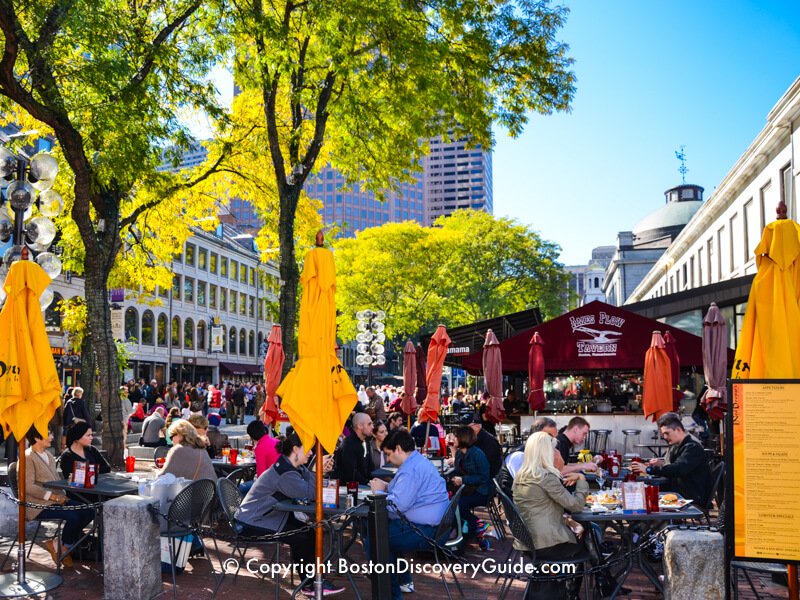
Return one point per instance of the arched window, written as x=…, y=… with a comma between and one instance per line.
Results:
x=242, y=342
x=52, y=314
x=162, y=330
x=201, y=335
x=188, y=334
x=597, y=282
x=252, y=343
x=224, y=333
x=260, y=338
x=147, y=327
x=232, y=341
x=131, y=324
x=176, y=332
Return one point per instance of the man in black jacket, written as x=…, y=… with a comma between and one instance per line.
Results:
x=486, y=442
x=353, y=462
x=688, y=470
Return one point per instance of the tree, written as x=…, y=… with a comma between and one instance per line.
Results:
x=108, y=80
x=468, y=267
x=362, y=85
x=499, y=266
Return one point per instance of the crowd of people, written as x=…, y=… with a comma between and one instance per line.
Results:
x=541, y=475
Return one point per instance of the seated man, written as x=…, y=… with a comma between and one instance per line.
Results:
x=419, y=493
x=574, y=434
x=396, y=420
x=486, y=442
x=353, y=461
x=687, y=468
x=151, y=429
x=513, y=461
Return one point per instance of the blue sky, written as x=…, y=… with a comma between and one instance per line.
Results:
x=652, y=76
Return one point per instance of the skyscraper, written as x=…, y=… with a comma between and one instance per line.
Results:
x=355, y=209
x=456, y=177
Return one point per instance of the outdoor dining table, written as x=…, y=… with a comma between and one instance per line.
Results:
x=224, y=468
x=107, y=487
x=337, y=530
x=623, y=523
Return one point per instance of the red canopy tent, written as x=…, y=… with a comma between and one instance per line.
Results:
x=594, y=337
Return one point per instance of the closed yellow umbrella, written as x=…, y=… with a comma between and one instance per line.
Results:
x=317, y=394
x=30, y=391
x=769, y=344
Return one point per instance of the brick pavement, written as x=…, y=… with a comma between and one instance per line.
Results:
x=84, y=581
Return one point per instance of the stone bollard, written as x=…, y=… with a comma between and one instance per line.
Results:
x=131, y=549
x=694, y=565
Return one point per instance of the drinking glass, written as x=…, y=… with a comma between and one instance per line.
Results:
x=601, y=478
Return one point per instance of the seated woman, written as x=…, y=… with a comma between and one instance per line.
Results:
x=80, y=449
x=379, y=434
x=40, y=467
x=287, y=478
x=188, y=457
x=541, y=498
x=471, y=468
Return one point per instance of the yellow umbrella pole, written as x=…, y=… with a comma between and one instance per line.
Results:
x=318, y=531
x=21, y=522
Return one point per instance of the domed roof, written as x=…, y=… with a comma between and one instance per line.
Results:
x=672, y=214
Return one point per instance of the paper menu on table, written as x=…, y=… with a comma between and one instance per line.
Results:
x=633, y=499
x=330, y=493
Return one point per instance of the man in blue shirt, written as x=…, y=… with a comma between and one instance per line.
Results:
x=419, y=493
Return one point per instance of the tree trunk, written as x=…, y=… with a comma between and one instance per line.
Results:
x=99, y=324
x=290, y=274
x=88, y=380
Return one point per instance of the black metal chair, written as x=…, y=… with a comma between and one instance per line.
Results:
x=186, y=515
x=521, y=533
x=715, y=492
x=160, y=452
x=230, y=499
x=56, y=537
x=237, y=477
x=450, y=524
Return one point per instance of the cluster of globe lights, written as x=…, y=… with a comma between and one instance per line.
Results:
x=370, y=338
x=19, y=197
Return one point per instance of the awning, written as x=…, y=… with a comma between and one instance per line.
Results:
x=466, y=339
x=239, y=368
x=594, y=337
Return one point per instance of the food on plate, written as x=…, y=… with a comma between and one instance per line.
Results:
x=669, y=499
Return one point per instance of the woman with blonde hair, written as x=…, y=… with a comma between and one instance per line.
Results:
x=188, y=457
x=541, y=498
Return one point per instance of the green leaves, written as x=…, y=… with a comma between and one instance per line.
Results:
x=468, y=267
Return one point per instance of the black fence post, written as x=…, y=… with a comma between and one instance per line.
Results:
x=379, y=546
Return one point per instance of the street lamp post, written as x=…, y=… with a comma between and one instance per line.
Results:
x=30, y=236
x=370, y=340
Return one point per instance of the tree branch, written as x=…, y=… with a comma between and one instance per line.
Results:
x=159, y=41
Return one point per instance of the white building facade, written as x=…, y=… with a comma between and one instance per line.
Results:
x=218, y=280
x=717, y=245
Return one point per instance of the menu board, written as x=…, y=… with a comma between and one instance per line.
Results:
x=766, y=469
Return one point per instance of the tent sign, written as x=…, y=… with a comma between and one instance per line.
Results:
x=601, y=340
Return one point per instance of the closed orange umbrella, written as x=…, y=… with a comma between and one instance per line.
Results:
x=409, y=404
x=273, y=369
x=536, y=399
x=437, y=352
x=493, y=375
x=657, y=395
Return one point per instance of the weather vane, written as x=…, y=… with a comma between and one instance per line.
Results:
x=683, y=169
